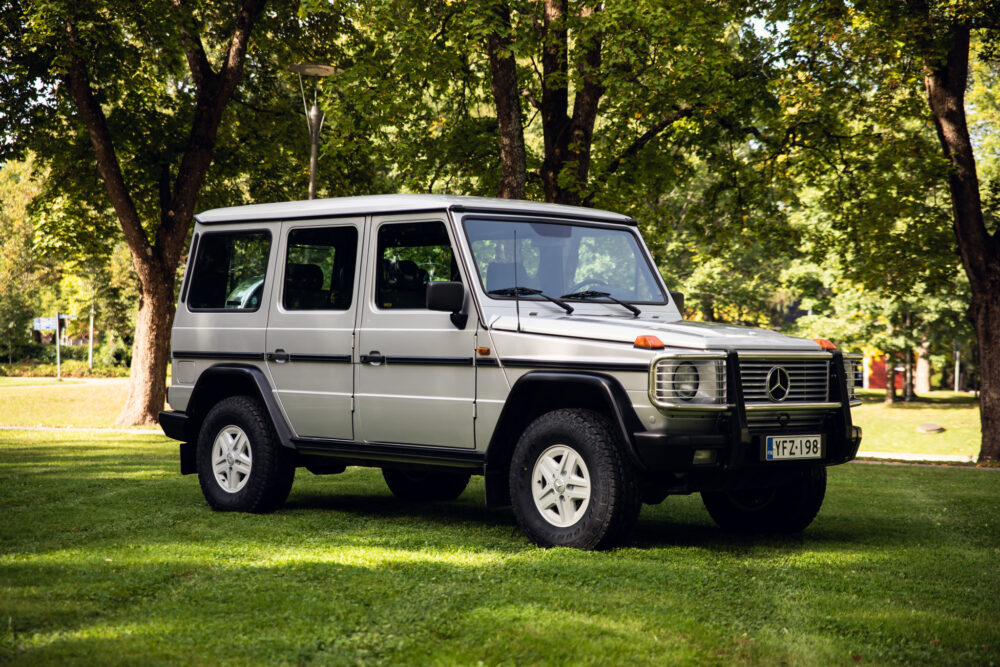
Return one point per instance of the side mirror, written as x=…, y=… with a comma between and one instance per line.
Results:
x=449, y=297
x=678, y=298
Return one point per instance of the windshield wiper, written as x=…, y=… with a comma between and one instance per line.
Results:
x=592, y=294
x=527, y=291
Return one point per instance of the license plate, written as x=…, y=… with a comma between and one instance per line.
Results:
x=784, y=447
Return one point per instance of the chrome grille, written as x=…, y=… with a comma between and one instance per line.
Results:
x=809, y=380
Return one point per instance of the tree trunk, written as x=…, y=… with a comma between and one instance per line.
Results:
x=945, y=79
x=923, y=377
x=908, y=394
x=156, y=261
x=503, y=67
x=567, y=140
x=150, y=351
x=890, y=379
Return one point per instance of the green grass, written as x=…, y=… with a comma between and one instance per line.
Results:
x=893, y=428
x=29, y=382
x=108, y=556
x=92, y=404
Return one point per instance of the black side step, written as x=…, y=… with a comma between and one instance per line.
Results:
x=376, y=453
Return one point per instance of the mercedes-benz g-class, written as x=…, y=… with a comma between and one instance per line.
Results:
x=442, y=337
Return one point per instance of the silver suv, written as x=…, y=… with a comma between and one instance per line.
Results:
x=534, y=344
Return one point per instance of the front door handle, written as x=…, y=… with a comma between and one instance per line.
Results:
x=279, y=356
x=375, y=358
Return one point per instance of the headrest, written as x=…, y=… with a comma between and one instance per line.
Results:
x=304, y=277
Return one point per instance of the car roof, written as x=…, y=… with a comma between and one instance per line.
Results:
x=388, y=204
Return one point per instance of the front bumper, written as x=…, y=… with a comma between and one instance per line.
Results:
x=665, y=452
x=737, y=443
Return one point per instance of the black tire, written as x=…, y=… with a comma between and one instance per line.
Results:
x=425, y=485
x=271, y=469
x=787, y=508
x=612, y=507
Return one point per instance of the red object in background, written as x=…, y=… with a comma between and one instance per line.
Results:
x=876, y=378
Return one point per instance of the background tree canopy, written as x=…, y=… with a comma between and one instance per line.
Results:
x=781, y=157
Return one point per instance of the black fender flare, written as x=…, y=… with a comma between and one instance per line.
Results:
x=215, y=383
x=603, y=392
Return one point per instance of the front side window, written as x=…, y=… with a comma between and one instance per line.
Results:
x=410, y=255
x=229, y=271
x=561, y=260
x=319, y=268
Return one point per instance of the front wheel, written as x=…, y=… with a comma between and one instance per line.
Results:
x=786, y=508
x=241, y=465
x=570, y=484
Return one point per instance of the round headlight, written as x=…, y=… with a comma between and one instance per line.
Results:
x=686, y=381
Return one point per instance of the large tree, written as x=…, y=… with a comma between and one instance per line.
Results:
x=148, y=86
x=627, y=70
x=867, y=84
x=942, y=38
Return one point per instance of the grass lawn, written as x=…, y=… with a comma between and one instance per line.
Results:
x=894, y=428
x=46, y=402
x=107, y=555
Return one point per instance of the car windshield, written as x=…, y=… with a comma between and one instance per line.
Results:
x=561, y=260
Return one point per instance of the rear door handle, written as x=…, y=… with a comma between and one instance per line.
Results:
x=375, y=358
x=279, y=356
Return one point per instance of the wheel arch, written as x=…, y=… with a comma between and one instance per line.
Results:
x=538, y=392
x=221, y=381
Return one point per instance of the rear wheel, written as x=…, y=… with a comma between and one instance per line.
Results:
x=570, y=484
x=241, y=465
x=786, y=508
x=425, y=485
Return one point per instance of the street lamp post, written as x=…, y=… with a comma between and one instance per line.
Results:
x=314, y=115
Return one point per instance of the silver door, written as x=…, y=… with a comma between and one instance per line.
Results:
x=310, y=335
x=416, y=378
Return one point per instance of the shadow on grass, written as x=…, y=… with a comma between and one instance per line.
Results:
x=465, y=508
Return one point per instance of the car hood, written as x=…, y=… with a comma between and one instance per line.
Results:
x=681, y=334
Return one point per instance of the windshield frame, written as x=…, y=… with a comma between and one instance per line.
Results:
x=633, y=231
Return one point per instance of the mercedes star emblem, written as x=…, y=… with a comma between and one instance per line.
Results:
x=777, y=383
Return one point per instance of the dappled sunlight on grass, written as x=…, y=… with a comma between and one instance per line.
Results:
x=108, y=555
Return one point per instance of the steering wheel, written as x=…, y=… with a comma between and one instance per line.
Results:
x=589, y=281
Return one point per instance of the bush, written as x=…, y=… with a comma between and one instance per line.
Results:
x=46, y=353
x=113, y=352
x=70, y=368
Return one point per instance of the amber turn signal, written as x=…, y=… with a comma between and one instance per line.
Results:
x=649, y=342
x=483, y=351
x=825, y=344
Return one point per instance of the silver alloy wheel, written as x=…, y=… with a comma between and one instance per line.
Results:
x=560, y=486
x=232, y=459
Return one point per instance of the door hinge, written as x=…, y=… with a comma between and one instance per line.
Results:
x=352, y=404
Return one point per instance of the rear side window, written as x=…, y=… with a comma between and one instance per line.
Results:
x=319, y=268
x=229, y=271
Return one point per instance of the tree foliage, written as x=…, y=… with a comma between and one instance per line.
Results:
x=781, y=157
